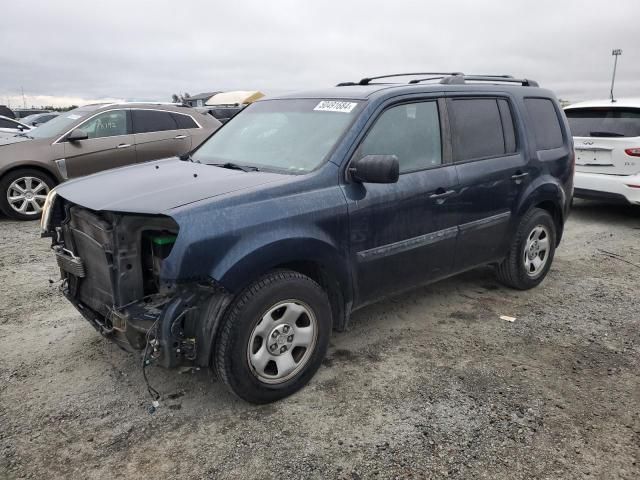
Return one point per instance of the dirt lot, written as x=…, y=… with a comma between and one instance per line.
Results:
x=429, y=384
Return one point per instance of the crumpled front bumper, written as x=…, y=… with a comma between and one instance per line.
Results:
x=177, y=330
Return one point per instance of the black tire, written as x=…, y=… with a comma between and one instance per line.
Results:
x=512, y=271
x=11, y=177
x=231, y=357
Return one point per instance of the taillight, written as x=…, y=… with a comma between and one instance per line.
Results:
x=633, y=152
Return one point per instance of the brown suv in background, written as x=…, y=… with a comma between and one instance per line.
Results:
x=90, y=139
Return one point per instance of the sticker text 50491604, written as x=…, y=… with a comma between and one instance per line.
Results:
x=335, y=106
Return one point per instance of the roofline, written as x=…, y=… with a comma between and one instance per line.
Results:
x=629, y=102
x=140, y=103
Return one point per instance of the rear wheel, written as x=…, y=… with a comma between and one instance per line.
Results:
x=531, y=251
x=274, y=337
x=23, y=192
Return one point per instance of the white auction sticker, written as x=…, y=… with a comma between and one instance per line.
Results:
x=335, y=106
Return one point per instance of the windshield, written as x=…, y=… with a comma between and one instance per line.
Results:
x=28, y=118
x=60, y=124
x=604, y=122
x=282, y=135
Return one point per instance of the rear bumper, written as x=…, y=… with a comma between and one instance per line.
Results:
x=597, y=186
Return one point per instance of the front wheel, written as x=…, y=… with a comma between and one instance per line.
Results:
x=531, y=252
x=23, y=192
x=274, y=337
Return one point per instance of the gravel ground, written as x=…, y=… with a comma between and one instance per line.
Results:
x=428, y=384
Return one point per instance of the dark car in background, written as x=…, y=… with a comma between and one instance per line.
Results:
x=306, y=207
x=6, y=112
x=25, y=112
x=90, y=139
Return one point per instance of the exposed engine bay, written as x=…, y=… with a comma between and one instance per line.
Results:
x=111, y=266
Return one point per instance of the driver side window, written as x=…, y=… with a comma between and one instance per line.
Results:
x=107, y=124
x=409, y=131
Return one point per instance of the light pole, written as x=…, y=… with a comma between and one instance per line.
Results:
x=615, y=53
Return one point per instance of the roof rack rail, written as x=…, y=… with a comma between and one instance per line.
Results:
x=367, y=80
x=447, y=78
x=490, y=78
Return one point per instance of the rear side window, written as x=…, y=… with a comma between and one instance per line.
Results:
x=409, y=131
x=145, y=121
x=604, y=122
x=7, y=124
x=477, y=130
x=546, y=125
x=184, y=121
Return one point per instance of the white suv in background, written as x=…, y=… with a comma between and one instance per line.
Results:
x=606, y=135
x=10, y=127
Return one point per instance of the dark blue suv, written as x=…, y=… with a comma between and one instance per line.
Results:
x=245, y=254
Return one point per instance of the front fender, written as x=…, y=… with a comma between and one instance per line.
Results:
x=247, y=262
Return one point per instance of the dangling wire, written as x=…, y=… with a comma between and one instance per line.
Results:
x=155, y=395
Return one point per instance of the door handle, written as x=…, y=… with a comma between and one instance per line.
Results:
x=519, y=176
x=179, y=137
x=441, y=194
x=124, y=145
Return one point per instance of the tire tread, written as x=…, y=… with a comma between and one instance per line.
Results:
x=225, y=335
x=508, y=271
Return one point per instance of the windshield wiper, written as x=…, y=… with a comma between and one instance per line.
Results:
x=235, y=166
x=187, y=158
x=605, y=134
x=24, y=135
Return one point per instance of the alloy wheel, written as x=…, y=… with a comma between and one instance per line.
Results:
x=26, y=195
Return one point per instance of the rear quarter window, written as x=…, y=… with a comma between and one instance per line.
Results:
x=545, y=123
x=145, y=121
x=184, y=121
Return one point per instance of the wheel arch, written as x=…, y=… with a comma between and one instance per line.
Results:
x=548, y=195
x=312, y=257
x=30, y=166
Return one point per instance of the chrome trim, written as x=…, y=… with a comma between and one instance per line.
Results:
x=167, y=111
x=594, y=149
x=408, y=244
x=86, y=120
x=125, y=109
x=61, y=164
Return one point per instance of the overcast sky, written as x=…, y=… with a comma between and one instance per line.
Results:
x=75, y=51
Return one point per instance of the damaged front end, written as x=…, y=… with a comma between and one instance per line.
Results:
x=112, y=268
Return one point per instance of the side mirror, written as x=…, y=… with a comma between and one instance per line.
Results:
x=375, y=169
x=77, y=135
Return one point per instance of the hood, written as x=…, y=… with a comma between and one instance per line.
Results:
x=159, y=186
